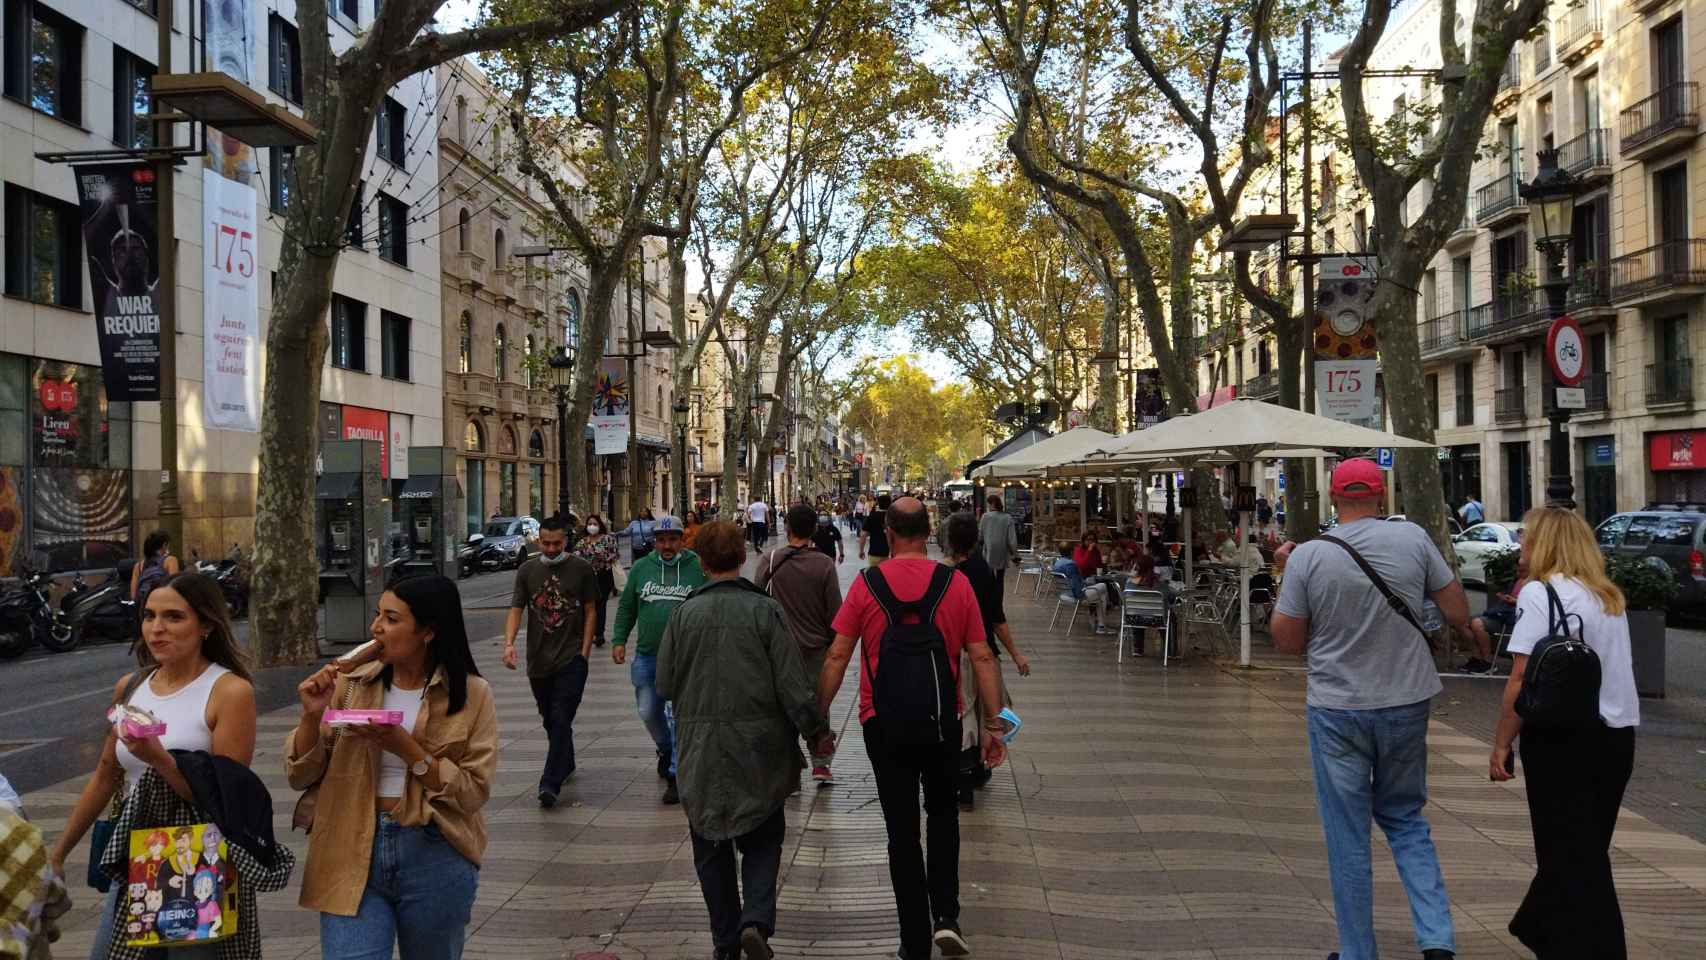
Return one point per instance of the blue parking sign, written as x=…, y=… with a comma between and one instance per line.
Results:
x=1383, y=457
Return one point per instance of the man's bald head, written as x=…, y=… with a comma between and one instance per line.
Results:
x=908, y=520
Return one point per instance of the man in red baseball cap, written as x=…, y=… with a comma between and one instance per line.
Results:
x=1351, y=602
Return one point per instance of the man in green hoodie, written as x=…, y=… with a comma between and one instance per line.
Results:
x=657, y=583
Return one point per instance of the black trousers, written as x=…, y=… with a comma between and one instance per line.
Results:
x=558, y=698
x=1575, y=785
x=760, y=863
x=760, y=534
x=924, y=892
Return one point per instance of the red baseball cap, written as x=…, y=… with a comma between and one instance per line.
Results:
x=1358, y=479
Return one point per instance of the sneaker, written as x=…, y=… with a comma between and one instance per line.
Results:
x=821, y=773
x=755, y=944
x=949, y=941
x=1101, y=630
x=547, y=799
x=1476, y=665
x=663, y=765
x=670, y=796
x=1437, y=953
x=967, y=799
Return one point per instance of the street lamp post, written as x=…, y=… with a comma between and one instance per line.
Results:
x=680, y=409
x=1551, y=195
x=562, y=365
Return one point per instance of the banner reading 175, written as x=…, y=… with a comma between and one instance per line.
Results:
x=231, y=335
x=1344, y=389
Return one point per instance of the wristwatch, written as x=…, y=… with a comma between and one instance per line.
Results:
x=420, y=767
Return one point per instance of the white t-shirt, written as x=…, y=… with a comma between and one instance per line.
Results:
x=758, y=511
x=391, y=767
x=1619, y=706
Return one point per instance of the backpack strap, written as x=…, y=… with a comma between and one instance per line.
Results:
x=1557, y=618
x=893, y=607
x=1392, y=599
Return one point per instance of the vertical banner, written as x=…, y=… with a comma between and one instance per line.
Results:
x=611, y=403
x=118, y=214
x=1345, y=345
x=231, y=308
x=401, y=437
x=230, y=39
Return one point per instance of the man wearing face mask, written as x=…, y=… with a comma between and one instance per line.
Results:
x=657, y=583
x=556, y=588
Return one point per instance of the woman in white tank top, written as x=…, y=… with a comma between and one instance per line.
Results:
x=195, y=678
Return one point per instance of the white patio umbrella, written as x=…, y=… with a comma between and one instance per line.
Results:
x=1241, y=430
x=1034, y=460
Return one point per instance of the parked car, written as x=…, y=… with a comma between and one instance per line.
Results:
x=1455, y=528
x=1663, y=535
x=508, y=541
x=1480, y=541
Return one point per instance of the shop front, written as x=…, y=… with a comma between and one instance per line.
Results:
x=1599, y=478
x=1677, y=459
x=65, y=481
x=1460, y=473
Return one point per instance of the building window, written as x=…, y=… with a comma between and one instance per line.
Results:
x=284, y=47
x=44, y=249
x=44, y=60
x=506, y=487
x=474, y=438
x=390, y=125
x=130, y=100
x=500, y=346
x=1433, y=399
x=572, y=319
x=1465, y=376
x=393, y=345
x=352, y=230
x=465, y=344
x=394, y=230
x=536, y=445
x=500, y=250
x=527, y=361
x=462, y=120
x=350, y=9
x=349, y=333
x=278, y=176
x=462, y=229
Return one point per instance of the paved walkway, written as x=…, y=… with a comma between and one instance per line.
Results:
x=1146, y=813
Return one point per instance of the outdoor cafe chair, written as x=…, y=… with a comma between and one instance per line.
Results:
x=1140, y=610
x=1064, y=597
x=1030, y=565
x=1202, y=609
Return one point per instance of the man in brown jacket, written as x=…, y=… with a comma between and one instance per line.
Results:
x=803, y=580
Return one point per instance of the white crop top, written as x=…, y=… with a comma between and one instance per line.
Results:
x=183, y=712
x=391, y=767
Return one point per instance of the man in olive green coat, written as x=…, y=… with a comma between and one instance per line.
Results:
x=742, y=700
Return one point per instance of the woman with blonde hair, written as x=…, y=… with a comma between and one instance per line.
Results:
x=1575, y=776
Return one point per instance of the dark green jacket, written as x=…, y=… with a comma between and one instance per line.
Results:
x=742, y=700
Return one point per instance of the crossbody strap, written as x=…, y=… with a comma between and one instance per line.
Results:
x=1392, y=599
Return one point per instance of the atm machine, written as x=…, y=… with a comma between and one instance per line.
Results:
x=349, y=525
x=431, y=507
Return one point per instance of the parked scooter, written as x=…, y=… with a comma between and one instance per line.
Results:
x=468, y=557
x=229, y=574
x=105, y=612
x=27, y=615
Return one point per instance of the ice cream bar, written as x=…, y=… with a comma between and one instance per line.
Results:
x=366, y=653
x=364, y=718
x=134, y=723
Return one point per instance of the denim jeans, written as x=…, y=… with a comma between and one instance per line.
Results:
x=419, y=895
x=1373, y=765
x=654, y=710
x=559, y=698
x=109, y=916
x=760, y=864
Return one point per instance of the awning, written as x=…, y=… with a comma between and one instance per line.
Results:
x=654, y=443
x=429, y=485
x=337, y=486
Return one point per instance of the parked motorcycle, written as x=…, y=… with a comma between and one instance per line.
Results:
x=105, y=612
x=468, y=557
x=26, y=615
x=229, y=574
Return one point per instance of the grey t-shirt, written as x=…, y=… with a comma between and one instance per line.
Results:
x=1362, y=654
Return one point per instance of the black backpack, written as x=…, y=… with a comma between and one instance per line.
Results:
x=912, y=687
x=1560, y=686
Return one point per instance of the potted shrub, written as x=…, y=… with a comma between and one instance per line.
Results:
x=1499, y=571
x=1648, y=588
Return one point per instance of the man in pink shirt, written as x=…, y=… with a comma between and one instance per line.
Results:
x=909, y=714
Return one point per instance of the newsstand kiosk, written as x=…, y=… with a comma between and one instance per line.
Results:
x=349, y=524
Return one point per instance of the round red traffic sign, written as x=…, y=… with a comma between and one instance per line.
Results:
x=1566, y=350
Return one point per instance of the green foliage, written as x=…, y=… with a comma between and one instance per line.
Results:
x=1645, y=586
x=1500, y=570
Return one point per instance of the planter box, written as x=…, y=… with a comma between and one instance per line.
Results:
x=1647, y=649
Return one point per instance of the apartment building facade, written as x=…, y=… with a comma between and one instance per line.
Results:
x=82, y=485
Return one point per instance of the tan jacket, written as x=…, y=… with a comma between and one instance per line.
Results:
x=466, y=750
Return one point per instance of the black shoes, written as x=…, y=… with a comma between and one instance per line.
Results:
x=547, y=799
x=1477, y=666
x=1437, y=954
x=670, y=795
x=755, y=945
x=663, y=765
x=949, y=940
x=967, y=799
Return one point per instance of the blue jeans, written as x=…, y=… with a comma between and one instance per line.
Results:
x=109, y=914
x=419, y=895
x=655, y=712
x=1373, y=765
